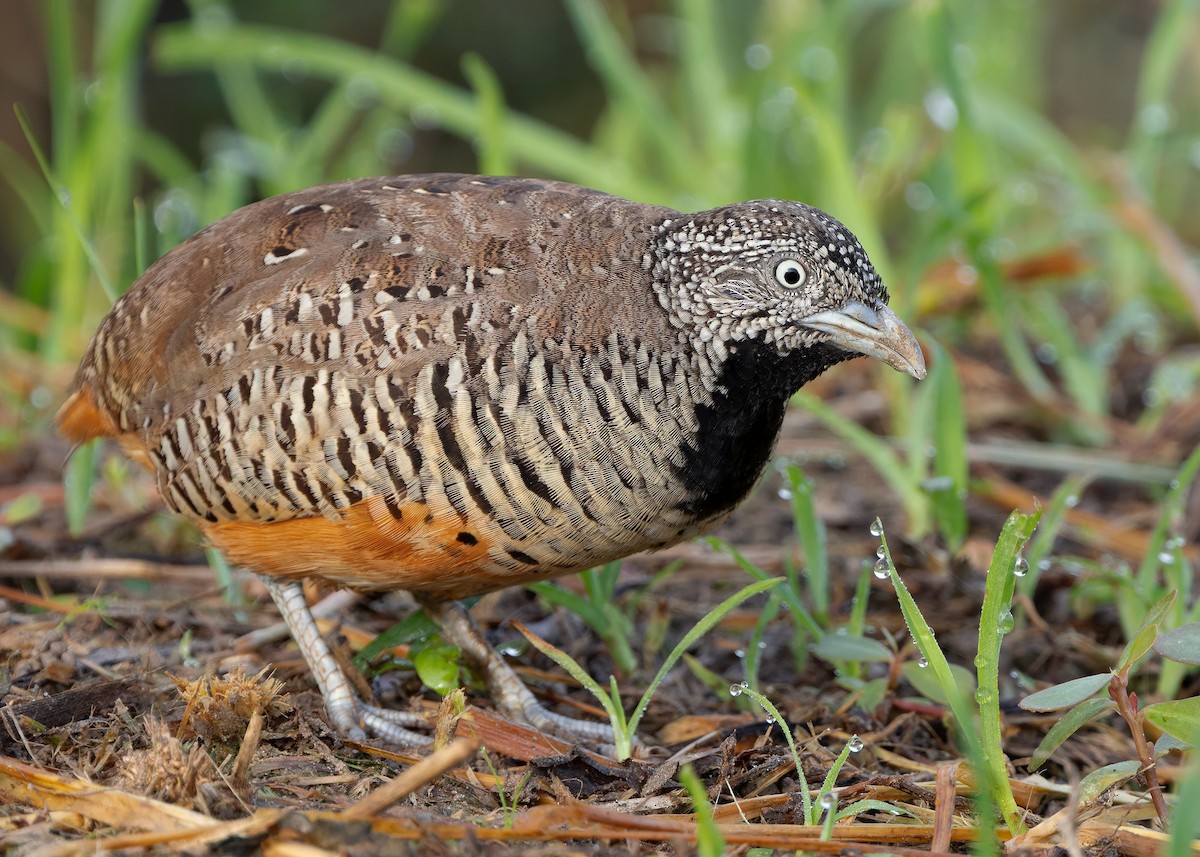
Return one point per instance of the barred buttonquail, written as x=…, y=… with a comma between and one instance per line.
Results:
x=451, y=384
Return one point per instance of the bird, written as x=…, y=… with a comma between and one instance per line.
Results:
x=451, y=384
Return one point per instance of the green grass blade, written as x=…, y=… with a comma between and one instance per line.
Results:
x=623, y=731
x=963, y=710
x=180, y=47
x=489, y=142
x=1065, y=496
x=994, y=622
x=876, y=451
x=800, y=614
x=709, y=842
x=698, y=630
x=1172, y=510
x=773, y=712
x=629, y=87
x=949, y=440
x=811, y=531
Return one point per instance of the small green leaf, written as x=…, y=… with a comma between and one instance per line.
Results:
x=860, y=806
x=1180, y=717
x=1102, y=779
x=927, y=684
x=1158, y=610
x=437, y=666
x=1180, y=644
x=1066, y=694
x=870, y=693
x=1067, y=726
x=850, y=647
x=21, y=509
x=1168, y=743
x=414, y=627
x=1137, y=647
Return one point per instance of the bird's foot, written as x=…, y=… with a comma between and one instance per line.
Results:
x=358, y=720
x=361, y=721
x=352, y=717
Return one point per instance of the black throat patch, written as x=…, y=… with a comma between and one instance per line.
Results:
x=737, y=432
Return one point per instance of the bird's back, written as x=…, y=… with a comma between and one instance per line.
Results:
x=441, y=383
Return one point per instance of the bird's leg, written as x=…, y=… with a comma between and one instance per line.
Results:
x=351, y=716
x=509, y=692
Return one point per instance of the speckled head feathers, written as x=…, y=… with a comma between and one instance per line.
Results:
x=755, y=270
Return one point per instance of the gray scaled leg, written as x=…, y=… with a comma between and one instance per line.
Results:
x=351, y=716
x=508, y=691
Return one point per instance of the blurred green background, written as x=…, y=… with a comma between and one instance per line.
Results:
x=1026, y=175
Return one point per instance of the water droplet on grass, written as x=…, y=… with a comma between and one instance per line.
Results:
x=737, y=688
x=882, y=572
x=877, y=528
x=1021, y=566
x=855, y=743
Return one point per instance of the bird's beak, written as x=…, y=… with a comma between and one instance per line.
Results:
x=875, y=332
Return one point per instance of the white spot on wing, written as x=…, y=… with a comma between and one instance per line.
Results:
x=272, y=259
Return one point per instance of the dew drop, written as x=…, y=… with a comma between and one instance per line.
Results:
x=757, y=56
x=1021, y=566
x=1005, y=623
x=1166, y=557
x=940, y=107
x=1156, y=119
x=877, y=528
x=739, y=653
x=881, y=571
x=1047, y=353
x=510, y=651
x=770, y=718
x=937, y=483
x=785, y=493
x=828, y=800
x=737, y=688
x=881, y=552
x=1072, y=501
x=923, y=662
x=855, y=743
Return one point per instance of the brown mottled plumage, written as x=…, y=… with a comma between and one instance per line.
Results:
x=451, y=384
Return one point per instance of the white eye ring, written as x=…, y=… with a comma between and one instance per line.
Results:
x=790, y=274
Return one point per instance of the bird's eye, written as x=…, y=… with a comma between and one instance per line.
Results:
x=790, y=274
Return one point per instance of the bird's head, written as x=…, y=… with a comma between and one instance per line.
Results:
x=783, y=274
